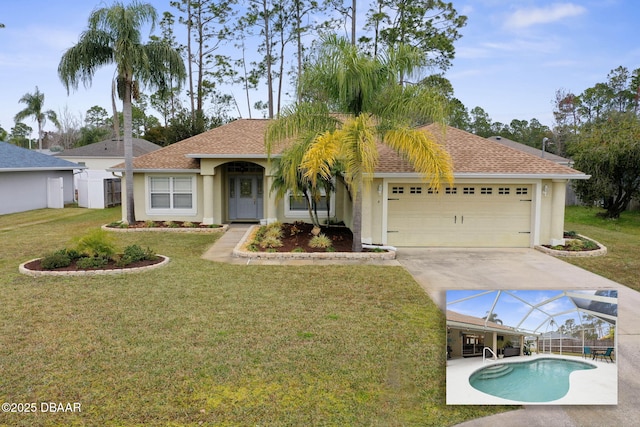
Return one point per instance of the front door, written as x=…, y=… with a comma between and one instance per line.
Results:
x=245, y=197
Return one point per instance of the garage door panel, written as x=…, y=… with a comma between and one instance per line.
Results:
x=465, y=215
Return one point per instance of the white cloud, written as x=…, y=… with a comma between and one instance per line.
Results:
x=524, y=18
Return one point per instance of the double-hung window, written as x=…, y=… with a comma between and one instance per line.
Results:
x=172, y=194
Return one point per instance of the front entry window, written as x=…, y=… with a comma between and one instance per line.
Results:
x=171, y=194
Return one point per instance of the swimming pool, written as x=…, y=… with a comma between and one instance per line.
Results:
x=539, y=380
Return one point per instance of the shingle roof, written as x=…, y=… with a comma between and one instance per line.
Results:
x=110, y=148
x=453, y=316
x=529, y=149
x=245, y=137
x=13, y=158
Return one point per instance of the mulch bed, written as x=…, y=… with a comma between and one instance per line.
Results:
x=111, y=265
x=298, y=235
x=162, y=224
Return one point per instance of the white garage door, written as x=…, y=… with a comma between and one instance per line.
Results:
x=474, y=215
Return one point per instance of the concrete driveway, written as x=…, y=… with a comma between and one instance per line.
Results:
x=438, y=270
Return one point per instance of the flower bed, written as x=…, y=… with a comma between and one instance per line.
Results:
x=166, y=226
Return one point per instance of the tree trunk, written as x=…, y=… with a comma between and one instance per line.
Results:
x=353, y=25
x=357, y=221
x=116, y=120
x=190, y=62
x=39, y=135
x=269, y=58
x=128, y=150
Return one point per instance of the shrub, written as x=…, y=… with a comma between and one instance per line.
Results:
x=97, y=243
x=134, y=253
x=170, y=224
x=149, y=223
x=298, y=249
x=88, y=263
x=55, y=260
x=188, y=224
x=320, y=241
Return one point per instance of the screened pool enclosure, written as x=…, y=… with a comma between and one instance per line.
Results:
x=503, y=323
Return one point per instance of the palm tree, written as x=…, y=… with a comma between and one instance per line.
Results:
x=113, y=37
x=35, y=103
x=493, y=317
x=353, y=102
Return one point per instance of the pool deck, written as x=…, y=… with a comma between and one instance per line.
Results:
x=587, y=387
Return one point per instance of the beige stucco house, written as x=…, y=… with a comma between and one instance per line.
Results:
x=501, y=197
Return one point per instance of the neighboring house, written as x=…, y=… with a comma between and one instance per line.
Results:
x=97, y=188
x=501, y=197
x=31, y=180
x=467, y=336
x=571, y=197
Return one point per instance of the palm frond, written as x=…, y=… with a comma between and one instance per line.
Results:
x=420, y=148
x=320, y=157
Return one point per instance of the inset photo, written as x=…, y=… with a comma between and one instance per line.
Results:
x=532, y=347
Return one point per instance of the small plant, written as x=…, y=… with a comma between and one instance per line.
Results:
x=170, y=224
x=189, y=224
x=97, y=243
x=270, y=242
x=55, y=260
x=149, y=223
x=118, y=224
x=321, y=241
x=89, y=263
x=273, y=232
x=298, y=249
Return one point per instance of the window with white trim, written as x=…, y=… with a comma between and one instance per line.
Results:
x=172, y=194
x=295, y=206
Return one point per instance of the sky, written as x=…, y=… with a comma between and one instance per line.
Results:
x=510, y=306
x=512, y=58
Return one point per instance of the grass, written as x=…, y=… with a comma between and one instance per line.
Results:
x=620, y=236
x=202, y=343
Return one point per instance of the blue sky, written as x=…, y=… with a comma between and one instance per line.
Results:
x=512, y=58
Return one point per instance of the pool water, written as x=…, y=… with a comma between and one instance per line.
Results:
x=540, y=380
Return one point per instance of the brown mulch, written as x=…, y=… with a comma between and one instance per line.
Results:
x=111, y=265
x=298, y=235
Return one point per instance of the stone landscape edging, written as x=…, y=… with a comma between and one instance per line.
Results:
x=602, y=250
x=220, y=229
x=241, y=252
x=39, y=273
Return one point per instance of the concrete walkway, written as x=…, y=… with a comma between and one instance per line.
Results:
x=438, y=270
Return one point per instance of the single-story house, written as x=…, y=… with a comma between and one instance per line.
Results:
x=467, y=336
x=31, y=180
x=501, y=197
x=96, y=187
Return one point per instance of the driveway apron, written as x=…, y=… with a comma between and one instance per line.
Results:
x=438, y=270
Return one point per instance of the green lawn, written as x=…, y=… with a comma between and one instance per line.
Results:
x=621, y=237
x=200, y=343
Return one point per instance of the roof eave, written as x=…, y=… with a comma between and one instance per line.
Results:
x=473, y=175
x=48, y=168
x=226, y=156
x=155, y=170
x=470, y=326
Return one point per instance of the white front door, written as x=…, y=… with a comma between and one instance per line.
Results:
x=245, y=197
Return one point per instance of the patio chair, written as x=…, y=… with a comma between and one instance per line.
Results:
x=586, y=352
x=607, y=354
